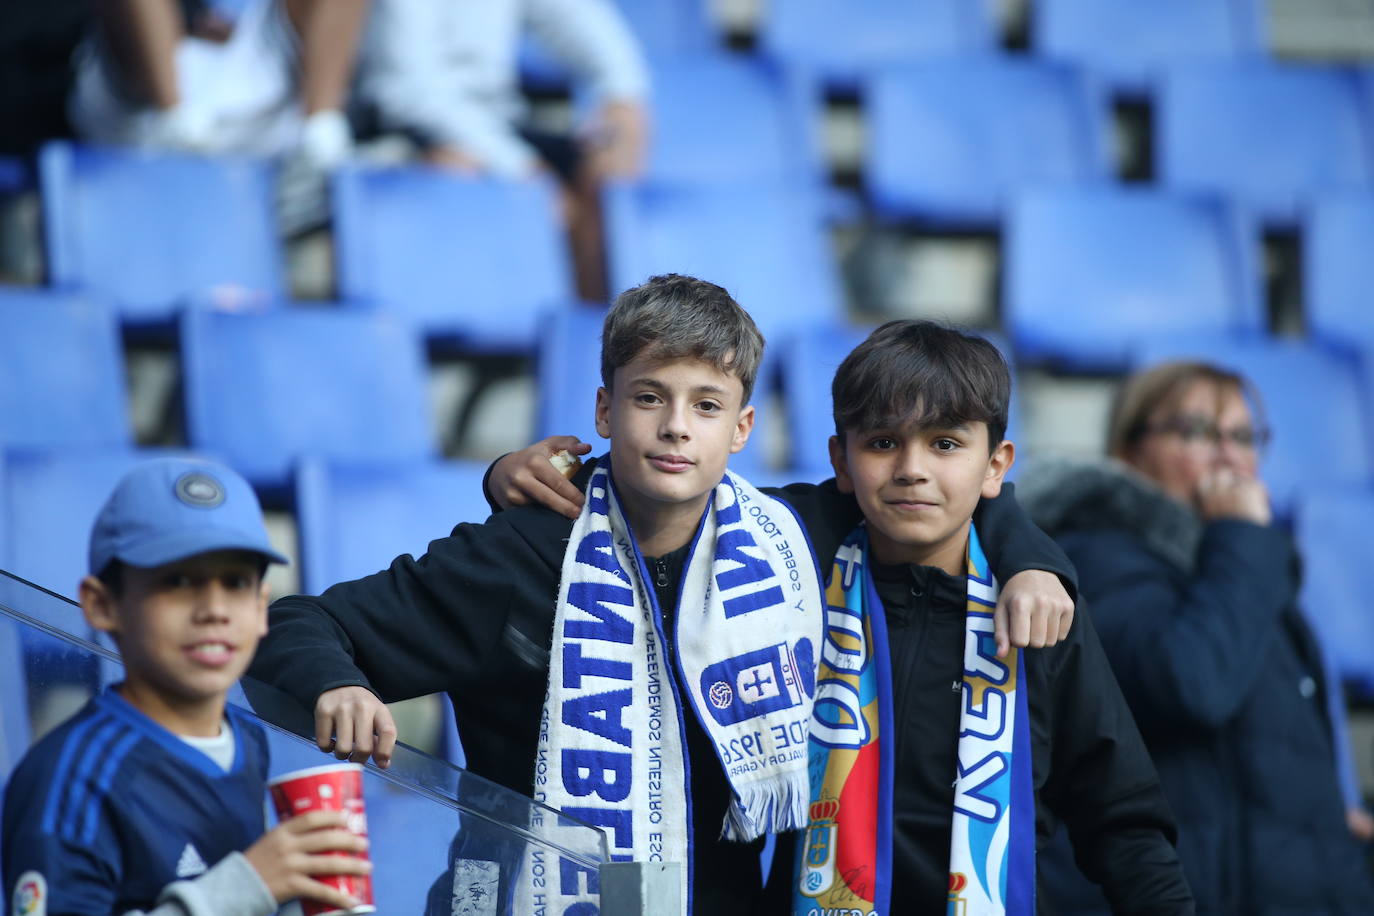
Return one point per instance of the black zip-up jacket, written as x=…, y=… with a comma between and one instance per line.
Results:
x=1089, y=766
x=473, y=618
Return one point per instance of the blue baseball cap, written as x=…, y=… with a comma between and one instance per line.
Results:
x=168, y=509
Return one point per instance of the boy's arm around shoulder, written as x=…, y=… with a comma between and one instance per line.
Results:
x=1038, y=582
x=1035, y=607
x=1102, y=783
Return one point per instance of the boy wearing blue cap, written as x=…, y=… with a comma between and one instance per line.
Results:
x=150, y=799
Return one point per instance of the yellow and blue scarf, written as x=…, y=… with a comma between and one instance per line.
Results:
x=845, y=860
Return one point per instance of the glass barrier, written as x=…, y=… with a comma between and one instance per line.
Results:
x=443, y=840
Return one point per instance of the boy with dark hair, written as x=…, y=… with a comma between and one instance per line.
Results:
x=151, y=797
x=937, y=766
x=986, y=752
x=605, y=662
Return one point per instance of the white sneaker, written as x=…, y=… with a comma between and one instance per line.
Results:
x=326, y=139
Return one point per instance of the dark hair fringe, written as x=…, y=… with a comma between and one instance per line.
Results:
x=922, y=372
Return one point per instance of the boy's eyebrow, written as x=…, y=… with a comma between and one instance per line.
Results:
x=659, y=386
x=902, y=428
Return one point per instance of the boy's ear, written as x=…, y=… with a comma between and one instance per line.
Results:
x=1001, y=460
x=743, y=427
x=98, y=605
x=840, y=462
x=603, y=413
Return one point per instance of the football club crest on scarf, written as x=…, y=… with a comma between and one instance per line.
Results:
x=612, y=747
x=844, y=864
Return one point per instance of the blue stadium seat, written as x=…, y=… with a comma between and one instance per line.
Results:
x=1332, y=528
x=721, y=119
x=262, y=390
x=355, y=519
x=1338, y=270
x=838, y=42
x=1320, y=420
x=61, y=372
x=765, y=243
x=809, y=361
x=149, y=231
x=475, y=260
x=48, y=502
x=569, y=372
x=1087, y=271
x=1125, y=41
x=663, y=28
x=667, y=28
x=949, y=140
x=1267, y=135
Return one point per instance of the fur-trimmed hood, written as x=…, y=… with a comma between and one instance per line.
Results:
x=1068, y=494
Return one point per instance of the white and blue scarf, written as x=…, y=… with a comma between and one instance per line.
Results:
x=844, y=864
x=612, y=745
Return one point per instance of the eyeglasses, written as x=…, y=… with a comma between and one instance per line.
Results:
x=1192, y=430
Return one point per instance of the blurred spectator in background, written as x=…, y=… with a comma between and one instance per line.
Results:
x=256, y=77
x=447, y=75
x=1193, y=589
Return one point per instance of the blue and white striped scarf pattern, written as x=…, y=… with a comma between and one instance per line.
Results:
x=612, y=746
x=992, y=846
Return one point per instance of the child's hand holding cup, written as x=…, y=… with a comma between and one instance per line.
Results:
x=335, y=787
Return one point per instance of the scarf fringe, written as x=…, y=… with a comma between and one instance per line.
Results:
x=772, y=807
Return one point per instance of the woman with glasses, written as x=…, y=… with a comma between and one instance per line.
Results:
x=1193, y=590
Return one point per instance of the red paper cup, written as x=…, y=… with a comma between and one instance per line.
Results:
x=335, y=787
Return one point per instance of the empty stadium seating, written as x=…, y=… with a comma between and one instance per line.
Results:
x=1267, y=135
x=149, y=232
x=467, y=259
x=569, y=372
x=949, y=140
x=261, y=390
x=50, y=500
x=1088, y=271
x=1126, y=43
x=61, y=372
x=809, y=361
x=837, y=42
x=354, y=519
x=765, y=243
x=664, y=29
x=1338, y=270
x=1312, y=397
x=1332, y=527
x=728, y=120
